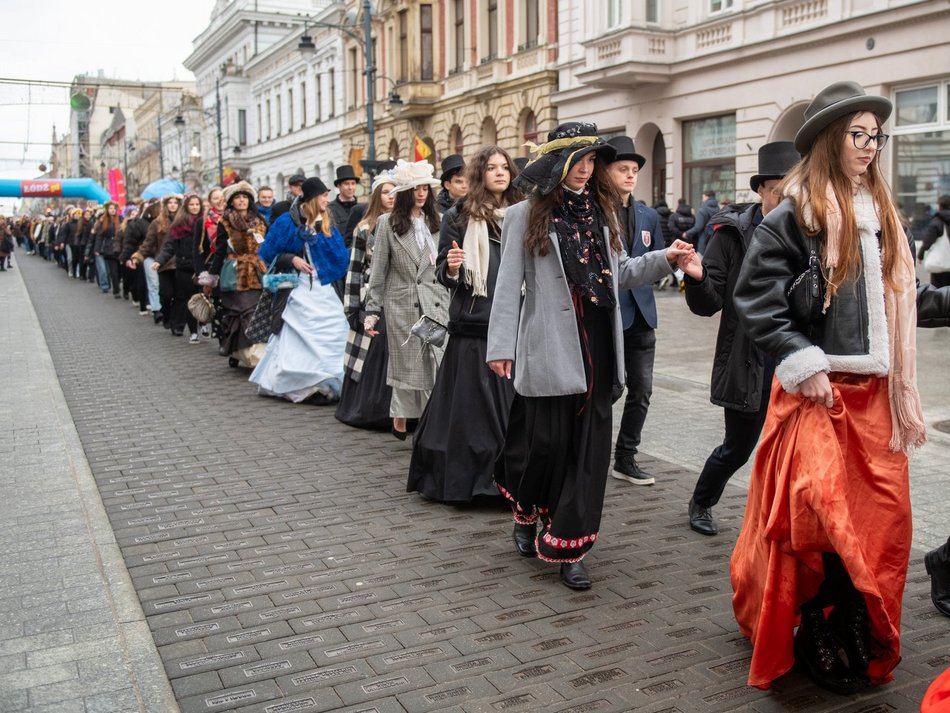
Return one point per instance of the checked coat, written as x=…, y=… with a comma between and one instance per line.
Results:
x=354, y=287
x=403, y=286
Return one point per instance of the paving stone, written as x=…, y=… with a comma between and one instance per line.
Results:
x=411, y=679
x=231, y=698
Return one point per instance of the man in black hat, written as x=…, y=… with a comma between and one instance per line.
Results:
x=345, y=200
x=642, y=233
x=454, y=182
x=742, y=374
x=295, y=186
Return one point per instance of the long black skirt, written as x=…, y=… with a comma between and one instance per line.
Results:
x=365, y=403
x=557, y=452
x=462, y=430
x=237, y=308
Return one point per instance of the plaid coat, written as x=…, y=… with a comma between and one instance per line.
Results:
x=403, y=287
x=357, y=276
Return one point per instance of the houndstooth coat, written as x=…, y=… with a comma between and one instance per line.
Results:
x=403, y=286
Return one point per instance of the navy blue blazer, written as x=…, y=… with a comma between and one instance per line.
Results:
x=643, y=235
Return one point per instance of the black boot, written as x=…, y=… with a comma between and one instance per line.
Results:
x=938, y=567
x=524, y=537
x=850, y=622
x=575, y=576
x=816, y=654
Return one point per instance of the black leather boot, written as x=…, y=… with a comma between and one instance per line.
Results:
x=575, y=576
x=850, y=622
x=524, y=537
x=938, y=567
x=816, y=654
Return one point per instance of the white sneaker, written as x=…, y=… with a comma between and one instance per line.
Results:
x=193, y=339
x=205, y=330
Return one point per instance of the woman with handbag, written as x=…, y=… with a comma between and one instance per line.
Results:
x=154, y=241
x=563, y=343
x=462, y=430
x=184, y=236
x=935, y=250
x=403, y=286
x=238, y=236
x=304, y=359
x=365, y=397
x=827, y=523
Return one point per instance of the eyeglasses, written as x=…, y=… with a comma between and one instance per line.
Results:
x=862, y=140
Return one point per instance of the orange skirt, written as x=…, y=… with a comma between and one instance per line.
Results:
x=824, y=480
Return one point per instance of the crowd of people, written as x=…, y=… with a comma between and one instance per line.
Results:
x=495, y=314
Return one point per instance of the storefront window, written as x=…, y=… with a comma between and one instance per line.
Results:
x=709, y=158
x=917, y=106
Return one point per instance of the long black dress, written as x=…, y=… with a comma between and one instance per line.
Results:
x=461, y=433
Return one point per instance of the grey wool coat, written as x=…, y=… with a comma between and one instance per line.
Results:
x=402, y=286
x=540, y=334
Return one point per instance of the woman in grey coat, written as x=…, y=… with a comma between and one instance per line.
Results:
x=403, y=285
x=563, y=343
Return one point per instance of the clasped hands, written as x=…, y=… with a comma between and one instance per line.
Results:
x=685, y=257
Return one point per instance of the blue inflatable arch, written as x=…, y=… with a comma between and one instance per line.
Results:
x=54, y=188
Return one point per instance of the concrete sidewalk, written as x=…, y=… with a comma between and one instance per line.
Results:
x=281, y=566
x=73, y=636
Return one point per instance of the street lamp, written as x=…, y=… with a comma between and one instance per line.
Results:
x=180, y=123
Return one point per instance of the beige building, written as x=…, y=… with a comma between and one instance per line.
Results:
x=701, y=84
x=466, y=73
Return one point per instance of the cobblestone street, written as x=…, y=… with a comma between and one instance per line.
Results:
x=281, y=566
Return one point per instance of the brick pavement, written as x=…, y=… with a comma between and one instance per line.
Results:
x=282, y=567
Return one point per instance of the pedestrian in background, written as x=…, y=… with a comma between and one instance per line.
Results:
x=184, y=237
x=105, y=236
x=702, y=229
x=938, y=226
x=161, y=299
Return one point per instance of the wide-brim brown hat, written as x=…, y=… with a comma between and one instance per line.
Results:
x=833, y=102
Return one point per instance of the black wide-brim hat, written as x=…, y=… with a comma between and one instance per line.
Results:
x=451, y=165
x=566, y=145
x=345, y=173
x=833, y=102
x=775, y=160
x=312, y=188
x=626, y=150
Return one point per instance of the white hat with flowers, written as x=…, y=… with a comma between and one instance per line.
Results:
x=407, y=176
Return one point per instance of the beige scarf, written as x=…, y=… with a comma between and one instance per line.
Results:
x=477, y=253
x=900, y=306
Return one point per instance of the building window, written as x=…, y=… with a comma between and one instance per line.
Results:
x=260, y=124
x=459, y=16
x=456, y=142
x=719, y=5
x=709, y=157
x=653, y=11
x=290, y=110
x=921, y=146
x=425, y=31
x=279, y=113
x=351, y=83
x=303, y=104
x=394, y=150
x=491, y=27
x=489, y=132
x=402, y=72
x=268, y=119
x=529, y=131
x=318, y=103
x=613, y=14
x=242, y=127
x=532, y=26
x=332, y=92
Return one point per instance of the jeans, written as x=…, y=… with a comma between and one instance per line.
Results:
x=151, y=281
x=102, y=272
x=742, y=433
x=639, y=350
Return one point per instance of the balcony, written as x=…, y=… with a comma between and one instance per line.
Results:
x=417, y=97
x=627, y=59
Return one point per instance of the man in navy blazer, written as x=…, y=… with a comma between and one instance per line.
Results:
x=643, y=233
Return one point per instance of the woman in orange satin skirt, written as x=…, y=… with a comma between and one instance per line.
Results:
x=828, y=290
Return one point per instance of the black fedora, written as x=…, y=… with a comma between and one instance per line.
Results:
x=626, y=151
x=345, y=173
x=775, y=160
x=451, y=165
x=296, y=179
x=312, y=188
x=566, y=145
x=833, y=102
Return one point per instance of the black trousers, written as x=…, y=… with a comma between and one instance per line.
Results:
x=639, y=352
x=742, y=433
x=184, y=289
x=166, y=293
x=112, y=265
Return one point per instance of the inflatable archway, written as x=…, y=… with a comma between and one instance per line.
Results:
x=54, y=188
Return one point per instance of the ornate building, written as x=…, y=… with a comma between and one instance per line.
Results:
x=458, y=75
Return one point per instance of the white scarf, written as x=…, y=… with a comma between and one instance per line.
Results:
x=477, y=253
x=423, y=237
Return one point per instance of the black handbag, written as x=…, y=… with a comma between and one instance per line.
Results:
x=806, y=294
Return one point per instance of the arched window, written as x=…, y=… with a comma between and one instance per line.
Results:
x=393, y=150
x=331, y=175
x=281, y=186
x=456, y=142
x=529, y=131
x=489, y=132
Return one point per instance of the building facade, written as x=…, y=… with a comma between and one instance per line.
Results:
x=701, y=84
x=458, y=75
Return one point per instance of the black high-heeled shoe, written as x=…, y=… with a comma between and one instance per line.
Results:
x=852, y=626
x=816, y=655
x=401, y=435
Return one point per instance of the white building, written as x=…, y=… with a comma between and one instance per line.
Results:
x=296, y=105
x=701, y=84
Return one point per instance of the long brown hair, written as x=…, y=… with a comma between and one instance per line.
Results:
x=402, y=210
x=604, y=195
x=821, y=167
x=183, y=216
x=374, y=209
x=480, y=203
x=107, y=219
x=311, y=214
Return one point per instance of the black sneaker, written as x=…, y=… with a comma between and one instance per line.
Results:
x=626, y=468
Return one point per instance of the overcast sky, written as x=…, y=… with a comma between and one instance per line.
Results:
x=57, y=39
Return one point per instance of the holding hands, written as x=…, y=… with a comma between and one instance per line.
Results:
x=683, y=255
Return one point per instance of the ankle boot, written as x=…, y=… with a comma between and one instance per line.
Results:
x=937, y=563
x=816, y=654
x=524, y=537
x=851, y=624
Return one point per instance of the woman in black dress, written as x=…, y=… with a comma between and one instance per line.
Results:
x=462, y=430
